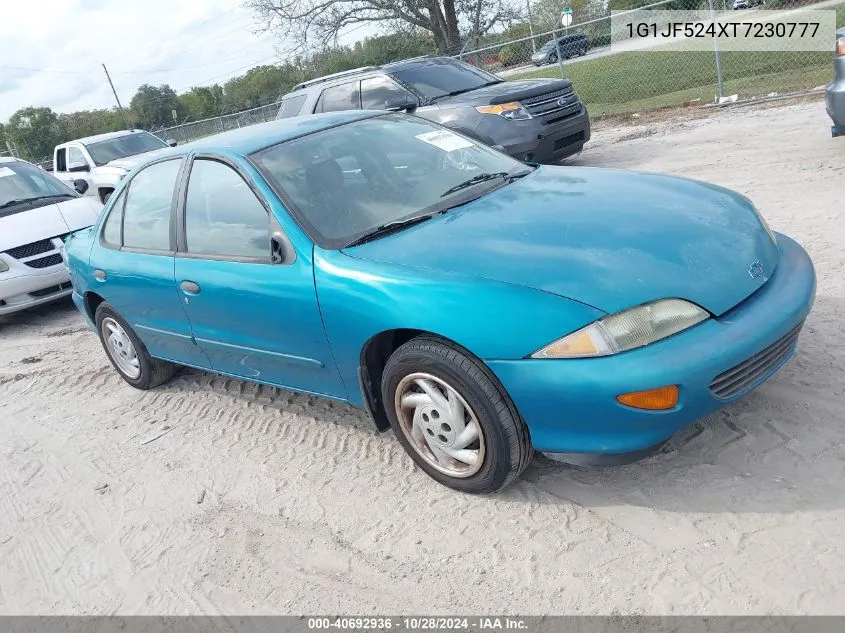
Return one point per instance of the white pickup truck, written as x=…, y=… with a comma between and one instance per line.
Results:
x=103, y=160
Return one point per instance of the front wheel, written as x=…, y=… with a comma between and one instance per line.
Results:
x=553, y=58
x=452, y=417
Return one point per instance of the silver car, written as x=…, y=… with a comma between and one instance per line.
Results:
x=835, y=90
x=36, y=212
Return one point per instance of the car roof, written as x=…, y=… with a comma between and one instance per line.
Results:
x=247, y=140
x=10, y=159
x=390, y=67
x=103, y=137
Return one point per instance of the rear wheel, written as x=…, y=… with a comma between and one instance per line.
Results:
x=127, y=353
x=452, y=417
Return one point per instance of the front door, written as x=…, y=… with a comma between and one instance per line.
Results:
x=253, y=318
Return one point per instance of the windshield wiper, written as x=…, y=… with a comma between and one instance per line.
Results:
x=483, y=178
x=390, y=227
x=460, y=92
x=12, y=203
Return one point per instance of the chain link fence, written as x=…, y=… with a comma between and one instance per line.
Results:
x=193, y=130
x=619, y=82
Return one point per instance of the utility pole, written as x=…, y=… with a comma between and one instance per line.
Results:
x=718, y=56
x=530, y=26
x=114, y=92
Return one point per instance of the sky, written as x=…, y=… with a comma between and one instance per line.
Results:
x=52, y=55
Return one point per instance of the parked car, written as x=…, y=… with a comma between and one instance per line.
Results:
x=536, y=120
x=481, y=307
x=835, y=90
x=747, y=4
x=104, y=160
x=36, y=213
x=568, y=45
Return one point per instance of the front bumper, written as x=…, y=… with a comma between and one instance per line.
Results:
x=32, y=289
x=570, y=405
x=551, y=143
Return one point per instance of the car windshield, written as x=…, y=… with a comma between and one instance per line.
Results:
x=346, y=181
x=21, y=182
x=548, y=45
x=438, y=77
x=103, y=152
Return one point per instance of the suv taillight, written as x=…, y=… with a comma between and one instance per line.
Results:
x=840, y=47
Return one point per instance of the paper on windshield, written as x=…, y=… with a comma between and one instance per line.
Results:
x=5, y=171
x=445, y=140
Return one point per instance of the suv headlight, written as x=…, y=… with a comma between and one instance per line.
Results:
x=513, y=111
x=626, y=330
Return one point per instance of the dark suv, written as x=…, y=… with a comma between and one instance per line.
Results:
x=535, y=120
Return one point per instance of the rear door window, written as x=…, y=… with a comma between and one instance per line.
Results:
x=291, y=106
x=342, y=97
x=114, y=223
x=146, y=213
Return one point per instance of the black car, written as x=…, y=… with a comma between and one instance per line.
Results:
x=535, y=120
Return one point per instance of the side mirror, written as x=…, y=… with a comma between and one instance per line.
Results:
x=79, y=167
x=396, y=104
x=81, y=186
x=281, y=250
x=171, y=142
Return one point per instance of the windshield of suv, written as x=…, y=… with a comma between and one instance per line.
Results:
x=103, y=152
x=346, y=181
x=438, y=78
x=21, y=183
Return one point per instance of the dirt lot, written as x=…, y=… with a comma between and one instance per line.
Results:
x=305, y=509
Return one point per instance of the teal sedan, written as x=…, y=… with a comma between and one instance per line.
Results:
x=480, y=307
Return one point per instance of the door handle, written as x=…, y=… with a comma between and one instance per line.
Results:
x=190, y=287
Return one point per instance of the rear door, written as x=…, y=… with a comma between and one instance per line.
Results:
x=254, y=317
x=132, y=264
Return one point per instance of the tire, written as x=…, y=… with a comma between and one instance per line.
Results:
x=151, y=372
x=503, y=447
x=105, y=197
x=553, y=58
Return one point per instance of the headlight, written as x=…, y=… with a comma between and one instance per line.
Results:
x=3, y=266
x=626, y=330
x=513, y=111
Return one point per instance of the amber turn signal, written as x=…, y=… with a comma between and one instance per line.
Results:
x=653, y=399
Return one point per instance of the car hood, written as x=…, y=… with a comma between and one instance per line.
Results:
x=505, y=92
x=47, y=221
x=610, y=239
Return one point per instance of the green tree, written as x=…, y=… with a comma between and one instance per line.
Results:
x=446, y=20
x=89, y=122
x=34, y=132
x=202, y=102
x=154, y=105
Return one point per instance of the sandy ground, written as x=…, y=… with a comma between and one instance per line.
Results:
x=305, y=509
